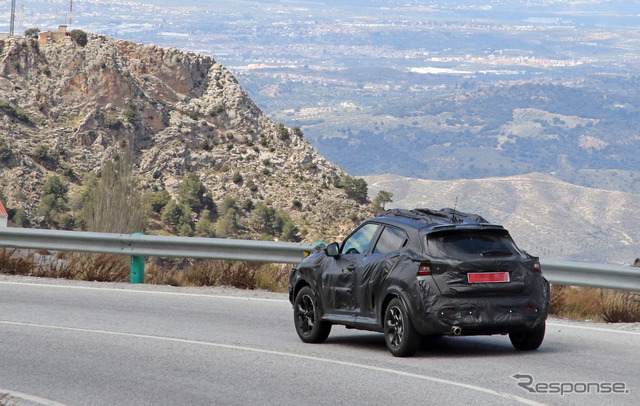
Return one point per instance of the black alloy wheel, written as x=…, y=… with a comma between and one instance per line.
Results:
x=306, y=317
x=401, y=337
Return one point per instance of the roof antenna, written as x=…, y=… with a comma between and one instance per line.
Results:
x=453, y=216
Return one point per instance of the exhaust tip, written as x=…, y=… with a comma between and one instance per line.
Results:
x=456, y=330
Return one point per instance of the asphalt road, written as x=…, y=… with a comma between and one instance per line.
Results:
x=107, y=344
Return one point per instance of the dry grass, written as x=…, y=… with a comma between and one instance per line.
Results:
x=242, y=275
x=13, y=262
x=620, y=307
x=579, y=303
x=116, y=268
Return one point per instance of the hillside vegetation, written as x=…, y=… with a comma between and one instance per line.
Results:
x=93, y=132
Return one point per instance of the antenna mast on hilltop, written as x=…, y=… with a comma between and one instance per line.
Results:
x=70, y=11
x=13, y=17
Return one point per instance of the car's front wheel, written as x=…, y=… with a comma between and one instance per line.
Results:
x=528, y=340
x=306, y=316
x=401, y=337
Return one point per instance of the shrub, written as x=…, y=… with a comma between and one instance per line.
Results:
x=283, y=132
x=14, y=112
x=131, y=112
x=5, y=151
x=237, y=178
x=113, y=122
x=251, y=185
x=79, y=37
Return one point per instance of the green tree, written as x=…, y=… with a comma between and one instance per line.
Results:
x=378, y=204
x=263, y=219
x=53, y=201
x=227, y=225
x=79, y=37
x=204, y=226
x=32, y=32
x=57, y=190
x=356, y=188
x=289, y=230
x=114, y=204
x=172, y=215
x=157, y=200
x=228, y=204
x=185, y=230
x=192, y=192
x=20, y=219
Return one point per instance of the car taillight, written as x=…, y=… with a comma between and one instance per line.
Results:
x=425, y=268
x=536, y=266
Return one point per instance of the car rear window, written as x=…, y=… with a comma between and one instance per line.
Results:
x=390, y=240
x=466, y=244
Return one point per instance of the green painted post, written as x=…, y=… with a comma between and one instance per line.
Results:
x=137, y=267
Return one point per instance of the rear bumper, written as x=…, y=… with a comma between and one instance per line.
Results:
x=437, y=315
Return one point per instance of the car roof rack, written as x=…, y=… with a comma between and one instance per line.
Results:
x=445, y=216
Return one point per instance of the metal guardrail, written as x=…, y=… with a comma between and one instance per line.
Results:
x=557, y=272
x=592, y=275
x=153, y=245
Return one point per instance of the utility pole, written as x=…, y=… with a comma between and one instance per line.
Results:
x=70, y=11
x=13, y=17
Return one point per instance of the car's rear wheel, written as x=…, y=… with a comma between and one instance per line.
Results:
x=306, y=317
x=401, y=337
x=528, y=340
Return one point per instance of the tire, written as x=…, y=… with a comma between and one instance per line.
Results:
x=401, y=337
x=306, y=317
x=528, y=340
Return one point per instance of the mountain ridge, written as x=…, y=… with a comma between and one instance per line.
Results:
x=546, y=216
x=68, y=109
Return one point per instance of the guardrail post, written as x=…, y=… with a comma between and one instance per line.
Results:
x=137, y=267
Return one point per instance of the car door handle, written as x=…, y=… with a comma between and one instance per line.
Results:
x=351, y=268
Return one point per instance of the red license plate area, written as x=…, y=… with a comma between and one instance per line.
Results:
x=488, y=277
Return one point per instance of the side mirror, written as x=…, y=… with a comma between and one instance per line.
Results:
x=332, y=250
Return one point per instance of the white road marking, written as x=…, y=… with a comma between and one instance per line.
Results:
x=31, y=398
x=601, y=329
x=291, y=355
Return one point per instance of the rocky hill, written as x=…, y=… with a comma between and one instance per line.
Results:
x=546, y=217
x=66, y=109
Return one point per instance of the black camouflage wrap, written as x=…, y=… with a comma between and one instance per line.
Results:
x=354, y=289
